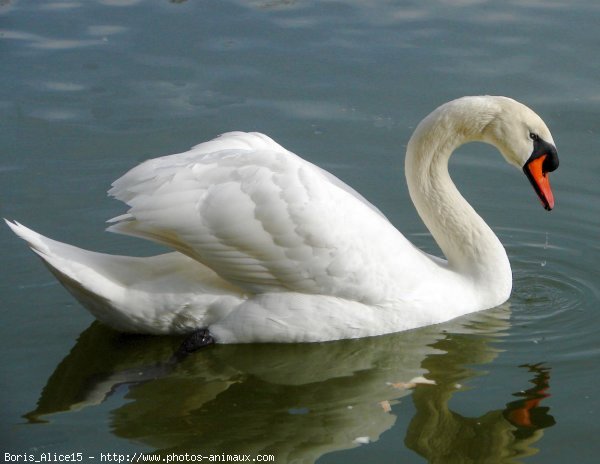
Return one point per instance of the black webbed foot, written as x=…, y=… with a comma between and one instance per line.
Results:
x=196, y=340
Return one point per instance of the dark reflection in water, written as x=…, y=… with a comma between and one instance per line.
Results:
x=300, y=402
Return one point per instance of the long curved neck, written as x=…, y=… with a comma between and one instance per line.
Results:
x=470, y=246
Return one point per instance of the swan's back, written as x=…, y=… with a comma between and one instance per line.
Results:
x=266, y=221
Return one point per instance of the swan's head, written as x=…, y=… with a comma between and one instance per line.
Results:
x=525, y=142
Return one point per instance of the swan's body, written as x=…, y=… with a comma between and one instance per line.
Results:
x=272, y=248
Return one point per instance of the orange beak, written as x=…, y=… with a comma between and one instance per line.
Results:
x=540, y=181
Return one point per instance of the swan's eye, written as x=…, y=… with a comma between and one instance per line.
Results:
x=533, y=136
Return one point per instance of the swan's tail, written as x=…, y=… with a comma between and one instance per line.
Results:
x=168, y=293
x=60, y=257
x=80, y=272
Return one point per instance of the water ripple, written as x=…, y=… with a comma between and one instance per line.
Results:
x=554, y=284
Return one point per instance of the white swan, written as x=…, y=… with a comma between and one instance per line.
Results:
x=271, y=248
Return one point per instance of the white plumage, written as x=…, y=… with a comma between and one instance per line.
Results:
x=270, y=247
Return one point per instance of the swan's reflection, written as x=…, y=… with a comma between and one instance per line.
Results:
x=500, y=435
x=299, y=402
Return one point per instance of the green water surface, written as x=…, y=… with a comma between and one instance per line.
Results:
x=88, y=89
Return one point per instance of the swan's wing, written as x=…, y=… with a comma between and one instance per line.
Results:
x=262, y=218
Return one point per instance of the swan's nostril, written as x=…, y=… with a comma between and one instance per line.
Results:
x=551, y=161
x=546, y=150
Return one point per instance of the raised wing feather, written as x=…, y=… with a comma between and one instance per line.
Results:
x=263, y=219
